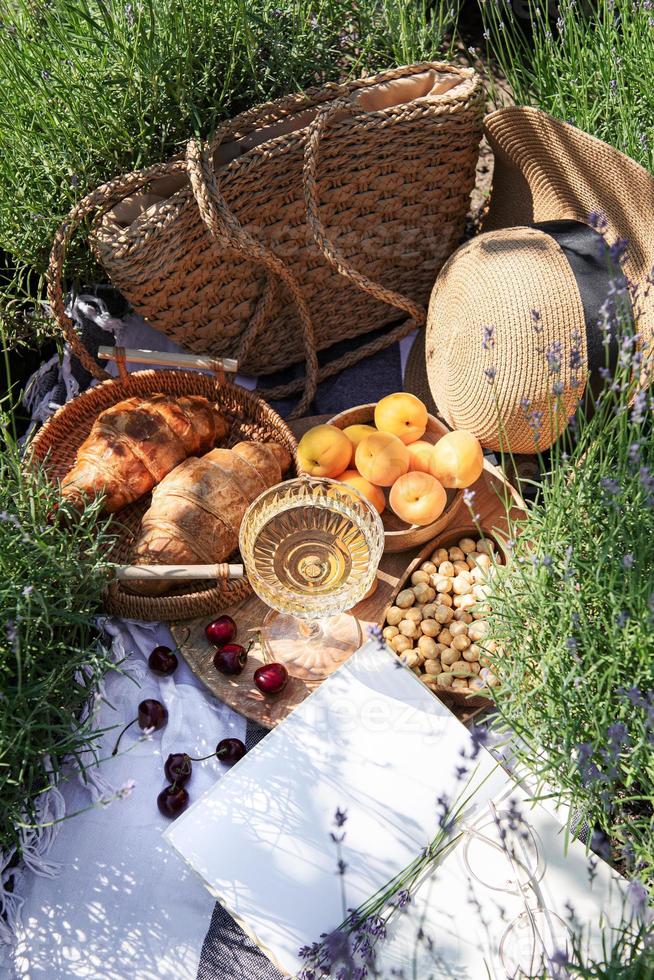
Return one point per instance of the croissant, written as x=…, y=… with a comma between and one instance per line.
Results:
x=135, y=443
x=196, y=511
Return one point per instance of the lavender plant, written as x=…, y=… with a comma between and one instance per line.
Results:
x=574, y=614
x=51, y=660
x=582, y=62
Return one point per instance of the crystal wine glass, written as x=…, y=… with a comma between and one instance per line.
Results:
x=311, y=548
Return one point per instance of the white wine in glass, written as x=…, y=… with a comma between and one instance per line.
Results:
x=311, y=548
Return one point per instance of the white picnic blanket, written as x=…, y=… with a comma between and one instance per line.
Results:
x=122, y=904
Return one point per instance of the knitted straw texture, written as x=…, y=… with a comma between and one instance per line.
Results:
x=544, y=170
x=497, y=390
x=56, y=444
x=355, y=213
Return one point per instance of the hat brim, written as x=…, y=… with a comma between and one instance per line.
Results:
x=546, y=169
x=415, y=374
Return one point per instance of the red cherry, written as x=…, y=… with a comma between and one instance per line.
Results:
x=221, y=631
x=172, y=801
x=151, y=715
x=163, y=662
x=230, y=659
x=230, y=750
x=178, y=768
x=271, y=678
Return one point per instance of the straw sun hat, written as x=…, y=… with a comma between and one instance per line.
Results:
x=514, y=324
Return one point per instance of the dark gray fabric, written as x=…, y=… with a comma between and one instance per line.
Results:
x=228, y=954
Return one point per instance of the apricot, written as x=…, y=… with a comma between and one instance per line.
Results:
x=367, y=489
x=324, y=451
x=356, y=433
x=418, y=498
x=403, y=415
x=457, y=459
x=420, y=453
x=381, y=458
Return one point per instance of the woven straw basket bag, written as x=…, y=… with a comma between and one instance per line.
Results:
x=250, y=418
x=307, y=220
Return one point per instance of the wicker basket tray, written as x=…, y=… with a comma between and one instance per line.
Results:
x=56, y=445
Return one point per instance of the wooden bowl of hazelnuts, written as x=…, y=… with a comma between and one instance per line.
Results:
x=436, y=620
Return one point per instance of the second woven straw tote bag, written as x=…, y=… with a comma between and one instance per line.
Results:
x=306, y=221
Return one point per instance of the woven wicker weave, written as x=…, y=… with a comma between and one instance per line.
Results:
x=56, y=445
x=321, y=215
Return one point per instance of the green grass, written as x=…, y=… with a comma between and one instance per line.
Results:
x=93, y=88
x=592, y=65
x=51, y=660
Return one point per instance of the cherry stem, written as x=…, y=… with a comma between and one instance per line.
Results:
x=203, y=758
x=178, y=646
x=121, y=735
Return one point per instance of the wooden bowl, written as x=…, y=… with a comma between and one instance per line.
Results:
x=446, y=540
x=400, y=536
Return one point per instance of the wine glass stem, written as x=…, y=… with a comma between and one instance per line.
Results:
x=312, y=629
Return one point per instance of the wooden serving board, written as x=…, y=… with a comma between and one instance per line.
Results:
x=492, y=496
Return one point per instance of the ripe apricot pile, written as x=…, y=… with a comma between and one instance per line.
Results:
x=391, y=454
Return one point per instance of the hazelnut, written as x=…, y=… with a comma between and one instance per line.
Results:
x=446, y=569
x=483, y=561
x=486, y=546
x=461, y=586
x=441, y=583
x=429, y=609
x=428, y=648
x=415, y=613
x=444, y=599
x=471, y=653
x=449, y=656
x=445, y=637
x=459, y=684
x=389, y=632
x=458, y=629
x=460, y=643
x=462, y=616
x=410, y=658
x=444, y=680
x=478, y=630
x=440, y=555
x=467, y=545
x=401, y=643
x=433, y=667
x=419, y=577
x=461, y=566
x=430, y=627
x=405, y=599
x=424, y=593
x=457, y=555
x=394, y=615
x=408, y=628
x=443, y=614
x=461, y=668
x=429, y=567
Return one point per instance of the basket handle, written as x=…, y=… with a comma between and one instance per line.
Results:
x=224, y=227
x=336, y=258
x=181, y=573
x=97, y=203
x=218, y=365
